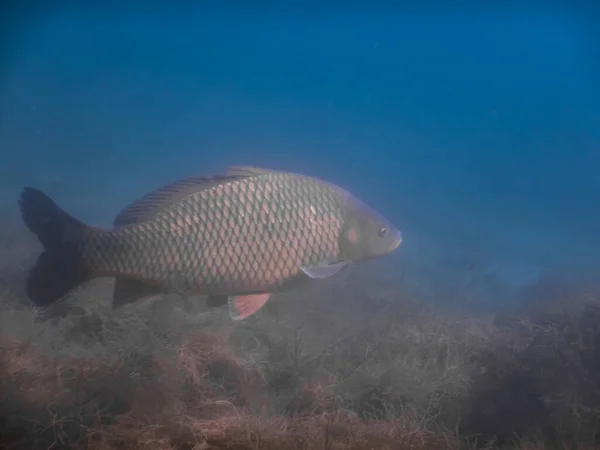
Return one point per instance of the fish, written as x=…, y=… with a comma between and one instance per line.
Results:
x=236, y=237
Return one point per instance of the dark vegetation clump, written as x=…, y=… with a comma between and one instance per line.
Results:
x=338, y=366
x=547, y=385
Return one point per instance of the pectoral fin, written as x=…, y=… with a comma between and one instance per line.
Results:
x=324, y=270
x=243, y=306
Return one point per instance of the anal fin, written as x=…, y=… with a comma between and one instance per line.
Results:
x=217, y=300
x=130, y=291
x=243, y=306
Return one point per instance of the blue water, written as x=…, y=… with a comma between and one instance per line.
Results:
x=477, y=132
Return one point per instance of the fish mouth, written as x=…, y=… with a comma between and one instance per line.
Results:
x=397, y=241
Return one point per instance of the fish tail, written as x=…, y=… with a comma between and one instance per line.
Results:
x=59, y=268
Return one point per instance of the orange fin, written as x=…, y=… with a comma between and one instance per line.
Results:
x=243, y=306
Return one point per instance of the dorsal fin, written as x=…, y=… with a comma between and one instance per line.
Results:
x=246, y=171
x=156, y=201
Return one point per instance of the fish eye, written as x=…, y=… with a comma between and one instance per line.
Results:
x=382, y=231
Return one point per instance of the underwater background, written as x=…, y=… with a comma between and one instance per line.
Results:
x=474, y=129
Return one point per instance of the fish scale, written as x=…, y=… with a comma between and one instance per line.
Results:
x=213, y=248
x=243, y=234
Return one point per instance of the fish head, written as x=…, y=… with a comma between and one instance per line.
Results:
x=367, y=234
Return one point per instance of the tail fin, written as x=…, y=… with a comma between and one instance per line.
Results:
x=58, y=269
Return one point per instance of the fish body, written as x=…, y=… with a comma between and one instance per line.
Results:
x=236, y=237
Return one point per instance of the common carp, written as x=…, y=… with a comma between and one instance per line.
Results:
x=236, y=237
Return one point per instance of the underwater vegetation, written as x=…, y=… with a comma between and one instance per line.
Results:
x=342, y=365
